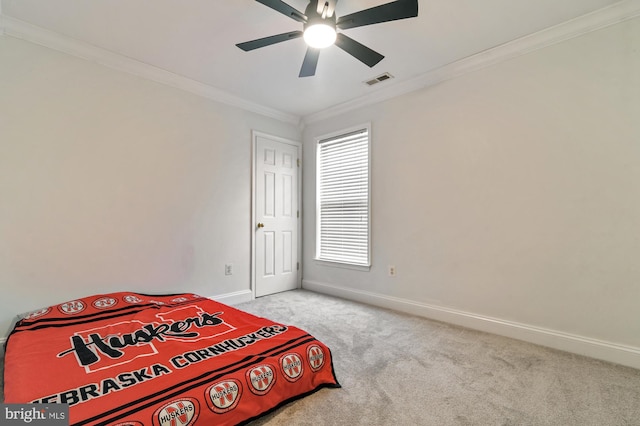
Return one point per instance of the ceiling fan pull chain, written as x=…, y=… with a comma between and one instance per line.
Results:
x=325, y=9
x=321, y=6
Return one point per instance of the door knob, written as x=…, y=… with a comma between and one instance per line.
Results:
x=260, y=225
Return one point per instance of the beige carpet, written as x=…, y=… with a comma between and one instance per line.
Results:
x=397, y=369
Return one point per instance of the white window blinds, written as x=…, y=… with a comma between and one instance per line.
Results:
x=343, y=199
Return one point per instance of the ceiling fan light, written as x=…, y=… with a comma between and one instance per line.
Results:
x=320, y=35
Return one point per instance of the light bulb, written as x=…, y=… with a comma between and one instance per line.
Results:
x=319, y=35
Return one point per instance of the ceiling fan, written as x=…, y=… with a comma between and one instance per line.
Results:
x=319, y=29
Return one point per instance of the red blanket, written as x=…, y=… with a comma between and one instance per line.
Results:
x=133, y=359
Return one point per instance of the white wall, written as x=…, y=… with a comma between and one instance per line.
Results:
x=110, y=182
x=509, y=198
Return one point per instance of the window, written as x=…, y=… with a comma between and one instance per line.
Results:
x=342, y=207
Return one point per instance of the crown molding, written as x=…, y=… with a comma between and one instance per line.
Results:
x=611, y=15
x=34, y=34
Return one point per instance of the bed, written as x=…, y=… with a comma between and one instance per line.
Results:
x=181, y=359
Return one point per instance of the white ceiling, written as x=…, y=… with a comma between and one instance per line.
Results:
x=196, y=39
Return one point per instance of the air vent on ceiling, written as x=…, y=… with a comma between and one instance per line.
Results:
x=378, y=79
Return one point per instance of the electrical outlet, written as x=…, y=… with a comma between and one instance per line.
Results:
x=392, y=270
x=228, y=269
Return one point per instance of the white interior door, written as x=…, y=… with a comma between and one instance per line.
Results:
x=276, y=212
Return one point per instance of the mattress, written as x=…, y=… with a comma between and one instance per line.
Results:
x=136, y=359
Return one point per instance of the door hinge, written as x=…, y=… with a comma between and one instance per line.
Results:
x=298, y=162
x=297, y=266
x=298, y=214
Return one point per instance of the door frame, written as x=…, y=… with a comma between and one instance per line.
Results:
x=254, y=145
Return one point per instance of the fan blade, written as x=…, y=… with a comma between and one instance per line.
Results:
x=267, y=41
x=393, y=11
x=285, y=9
x=310, y=62
x=358, y=51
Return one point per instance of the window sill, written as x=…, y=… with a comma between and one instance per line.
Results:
x=352, y=266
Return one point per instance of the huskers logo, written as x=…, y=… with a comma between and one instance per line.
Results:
x=223, y=396
x=37, y=314
x=72, y=308
x=104, y=303
x=261, y=379
x=182, y=412
x=120, y=343
x=291, y=366
x=315, y=355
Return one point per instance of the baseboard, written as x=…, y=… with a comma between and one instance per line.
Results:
x=606, y=351
x=234, y=298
